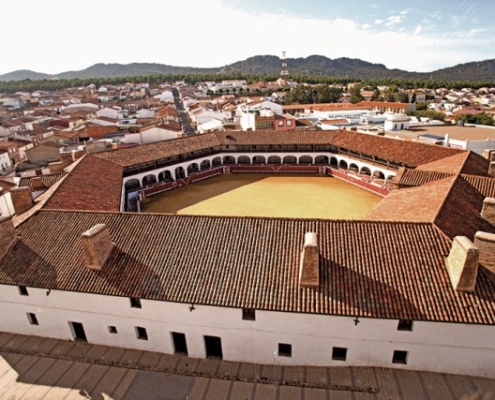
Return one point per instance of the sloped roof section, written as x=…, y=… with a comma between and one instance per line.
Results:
x=416, y=204
x=94, y=185
x=409, y=153
x=465, y=162
x=270, y=137
x=47, y=181
x=369, y=269
x=484, y=185
x=415, y=177
x=460, y=212
x=146, y=153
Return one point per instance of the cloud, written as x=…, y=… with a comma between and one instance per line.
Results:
x=418, y=30
x=393, y=20
x=222, y=34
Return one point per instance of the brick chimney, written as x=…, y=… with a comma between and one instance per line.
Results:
x=462, y=264
x=21, y=199
x=309, y=273
x=491, y=168
x=488, y=211
x=36, y=183
x=7, y=234
x=97, y=245
x=486, y=243
x=56, y=167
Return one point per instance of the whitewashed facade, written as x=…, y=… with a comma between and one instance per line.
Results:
x=439, y=347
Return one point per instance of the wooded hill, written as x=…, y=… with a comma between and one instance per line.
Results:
x=480, y=71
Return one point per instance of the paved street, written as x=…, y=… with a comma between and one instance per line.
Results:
x=37, y=368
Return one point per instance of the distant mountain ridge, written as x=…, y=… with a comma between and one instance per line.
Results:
x=315, y=65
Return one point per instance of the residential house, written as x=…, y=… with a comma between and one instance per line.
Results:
x=44, y=153
x=284, y=122
x=385, y=106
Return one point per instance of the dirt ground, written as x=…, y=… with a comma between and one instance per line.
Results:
x=289, y=196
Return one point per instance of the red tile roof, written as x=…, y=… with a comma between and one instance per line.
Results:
x=94, y=185
x=369, y=269
x=409, y=153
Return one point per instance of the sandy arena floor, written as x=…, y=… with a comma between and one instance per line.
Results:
x=290, y=196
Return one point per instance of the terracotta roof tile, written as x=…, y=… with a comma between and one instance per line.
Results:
x=409, y=153
x=46, y=180
x=460, y=211
x=416, y=204
x=95, y=185
x=372, y=269
x=417, y=177
x=465, y=162
x=484, y=185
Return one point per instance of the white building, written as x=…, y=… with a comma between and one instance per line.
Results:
x=151, y=135
x=396, y=122
x=114, y=112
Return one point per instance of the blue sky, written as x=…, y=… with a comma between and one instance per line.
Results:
x=51, y=36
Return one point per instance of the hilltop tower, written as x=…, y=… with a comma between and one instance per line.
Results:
x=284, y=73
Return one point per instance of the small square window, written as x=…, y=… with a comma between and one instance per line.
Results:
x=400, y=357
x=405, y=325
x=135, y=302
x=23, y=291
x=32, y=319
x=141, y=333
x=249, y=314
x=339, y=353
x=289, y=123
x=112, y=329
x=280, y=123
x=284, y=350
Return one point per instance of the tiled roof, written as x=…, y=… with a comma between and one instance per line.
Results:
x=383, y=104
x=465, y=162
x=409, y=153
x=416, y=204
x=484, y=185
x=369, y=269
x=155, y=151
x=266, y=137
x=417, y=177
x=46, y=180
x=97, y=132
x=452, y=204
x=94, y=185
x=460, y=212
x=7, y=183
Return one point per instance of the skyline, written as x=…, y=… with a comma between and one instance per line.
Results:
x=421, y=37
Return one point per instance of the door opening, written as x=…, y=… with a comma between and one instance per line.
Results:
x=213, y=346
x=78, y=331
x=180, y=344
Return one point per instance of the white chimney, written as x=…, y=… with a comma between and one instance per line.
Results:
x=309, y=271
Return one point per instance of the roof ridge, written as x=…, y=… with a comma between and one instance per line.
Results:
x=457, y=176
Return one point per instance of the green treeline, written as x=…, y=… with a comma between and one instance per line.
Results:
x=29, y=85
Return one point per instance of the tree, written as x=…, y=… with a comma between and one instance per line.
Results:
x=483, y=118
x=421, y=106
x=402, y=97
x=376, y=95
x=439, y=116
x=389, y=96
x=355, y=93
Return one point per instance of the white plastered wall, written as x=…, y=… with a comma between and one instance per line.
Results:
x=431, y=346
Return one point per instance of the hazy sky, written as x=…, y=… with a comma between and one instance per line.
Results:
x=54, y=36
